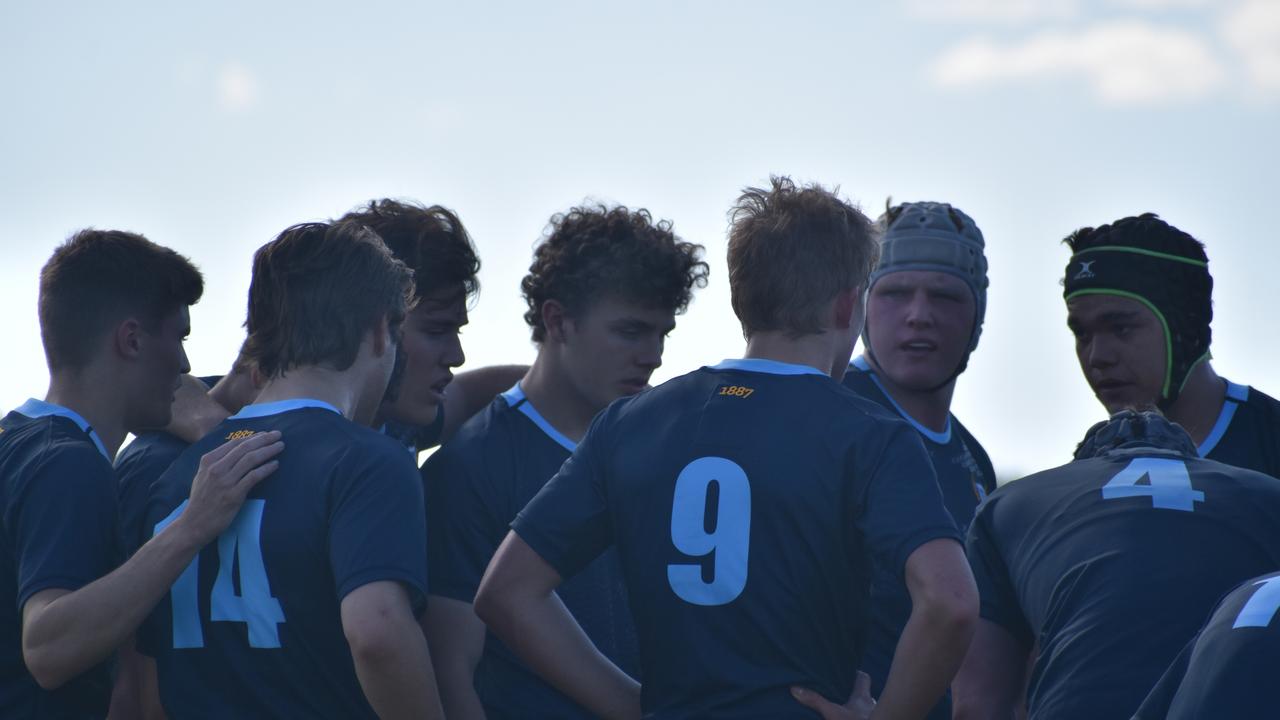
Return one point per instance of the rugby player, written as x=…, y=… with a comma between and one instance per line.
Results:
x=1103, y=569
x=1139, y=302
x=603, y=292
x=305, y=606
x=745, y=501
x=113, y=316
x=433, y=403
x=1229, y=669
x=924, y=316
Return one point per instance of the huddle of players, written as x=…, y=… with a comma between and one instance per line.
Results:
x=279, y=564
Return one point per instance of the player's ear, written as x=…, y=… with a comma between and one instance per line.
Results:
x=382, y=340
x=847, y=308
x=554, y=318
x=127, y=339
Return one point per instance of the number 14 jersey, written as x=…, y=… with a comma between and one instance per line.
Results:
x=745, y=501
x=252, y=628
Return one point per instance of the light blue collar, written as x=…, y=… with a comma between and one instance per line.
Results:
x=39, y=408
x=941, y=438
x=769, y=367
x=258, y=410
x=517, y=400
x=1236, y=394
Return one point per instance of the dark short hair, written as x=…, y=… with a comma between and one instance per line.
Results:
x=791, y=250
x=591, y=251
x=430, y=240
x=316, y=290
x=96, y=279
x=1146, y=231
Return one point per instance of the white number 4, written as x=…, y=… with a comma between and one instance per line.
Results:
x=1168, y=484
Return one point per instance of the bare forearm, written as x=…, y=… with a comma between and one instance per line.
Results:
x=399, y=681
x=929, y=652
x=543, y=633
x=79, y=629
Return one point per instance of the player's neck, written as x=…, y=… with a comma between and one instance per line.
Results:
x=1200, y=402
x=930, y=408
x=815, y=350
x=342, y=389
x=549, y=388
x=91, y=395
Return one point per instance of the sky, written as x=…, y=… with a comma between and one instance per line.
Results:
x=211, y=127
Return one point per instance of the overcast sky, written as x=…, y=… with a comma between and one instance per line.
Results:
x=209, y=128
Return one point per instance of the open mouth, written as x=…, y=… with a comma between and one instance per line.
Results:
x=918, y=346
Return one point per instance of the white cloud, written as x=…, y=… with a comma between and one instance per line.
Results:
x=237, y=88
x=1001, y=11
x=1124, y=62
x=1252, y=29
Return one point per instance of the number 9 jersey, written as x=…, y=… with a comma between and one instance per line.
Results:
x=252, y=628
x=745, y=501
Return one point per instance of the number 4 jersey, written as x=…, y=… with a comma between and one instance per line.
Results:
x=745, y=501
x=1112, y=562
x=252, y=628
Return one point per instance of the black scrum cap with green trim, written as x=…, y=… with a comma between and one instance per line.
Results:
x=1148, y=260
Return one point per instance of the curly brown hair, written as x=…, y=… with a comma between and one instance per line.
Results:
x=591, y=251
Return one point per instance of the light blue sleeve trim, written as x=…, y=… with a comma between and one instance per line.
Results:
x=940, y=438
x=258, y=410
x=769, y=367
x=1236, y=394
x=519, y=402
x=34, y=408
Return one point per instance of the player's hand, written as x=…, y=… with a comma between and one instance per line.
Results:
x=226, y=475
x=859, y=706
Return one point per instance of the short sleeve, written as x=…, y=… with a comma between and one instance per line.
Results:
x=903, y=506
x=567, y=523
x=998, y=599
x=377, y=530
x=463, y=524
x=64, y=523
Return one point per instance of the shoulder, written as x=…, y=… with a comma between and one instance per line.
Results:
x=1261, y=405
x=148, y=447
x=489, y=431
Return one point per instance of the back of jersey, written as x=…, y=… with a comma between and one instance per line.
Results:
x=1229, y=671
x=253, y=627
x=1113, y=563
x=744, y=500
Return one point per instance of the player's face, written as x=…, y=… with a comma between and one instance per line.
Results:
x=919, y=323
x=161, y=361
x=1121, y=348
x=612, y=348
x=431, y=349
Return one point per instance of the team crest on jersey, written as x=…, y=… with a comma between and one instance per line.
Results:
x=238, y=434
x=1086, y=270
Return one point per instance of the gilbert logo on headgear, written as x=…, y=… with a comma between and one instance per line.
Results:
x=1085, y=271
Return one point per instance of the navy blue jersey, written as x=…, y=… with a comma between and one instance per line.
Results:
x=745, y=501
x=1111, y=563
x=475, y=486
x=1247, y=432
x=57, y=496
x=1229, y=670
x=138, y=465
x=417, y=438
x=965, y=476
x=252, y=627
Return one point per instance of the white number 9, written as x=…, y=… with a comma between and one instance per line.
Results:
x=698, y=529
